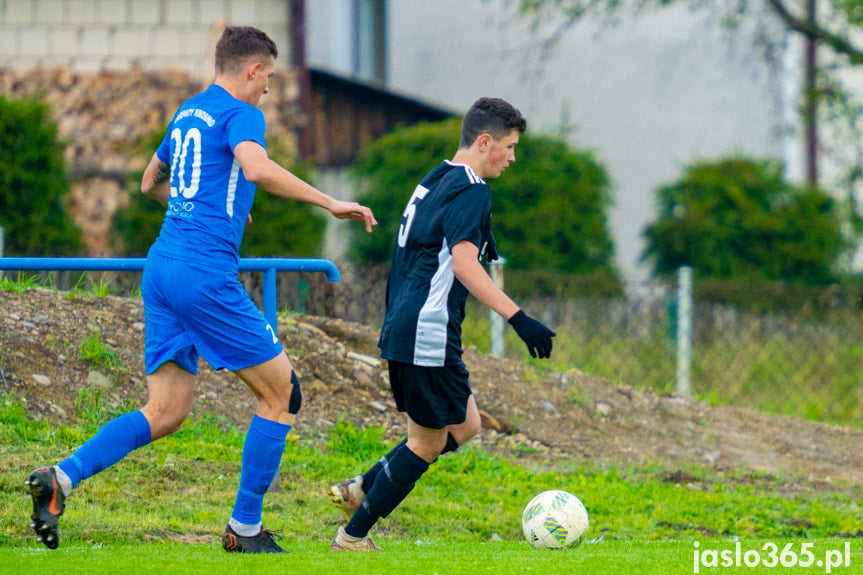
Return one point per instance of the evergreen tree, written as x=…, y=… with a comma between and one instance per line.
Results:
x=548, y=209
x=33, y=183
x=739, y=218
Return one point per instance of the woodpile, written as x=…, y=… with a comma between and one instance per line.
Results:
x=104, y=118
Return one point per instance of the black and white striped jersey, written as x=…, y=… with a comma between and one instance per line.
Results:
x=425, y=302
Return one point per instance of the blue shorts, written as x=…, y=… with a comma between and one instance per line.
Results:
x=192, y=310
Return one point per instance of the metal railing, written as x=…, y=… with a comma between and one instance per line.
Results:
x=269, y=266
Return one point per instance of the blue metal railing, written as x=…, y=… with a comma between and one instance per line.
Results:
x=267, y=265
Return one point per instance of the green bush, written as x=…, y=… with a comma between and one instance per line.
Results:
x=33, y=183
x=549, y=209
x=739, y=218
x=280, y=227
x=388, y=169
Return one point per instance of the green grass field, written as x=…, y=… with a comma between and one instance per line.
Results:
x=164, y=507
x=418, y=557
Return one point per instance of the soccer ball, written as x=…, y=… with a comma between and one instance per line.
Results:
x=553, y=520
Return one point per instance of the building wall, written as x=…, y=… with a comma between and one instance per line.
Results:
x=649, y=95
x=114, y=71
x=99, y=35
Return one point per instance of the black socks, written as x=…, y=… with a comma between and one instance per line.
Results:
x=394, y=481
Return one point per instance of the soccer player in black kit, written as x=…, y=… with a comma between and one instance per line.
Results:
x=444, y=233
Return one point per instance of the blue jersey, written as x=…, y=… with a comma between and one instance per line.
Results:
x=425, y=302
x=210, y=197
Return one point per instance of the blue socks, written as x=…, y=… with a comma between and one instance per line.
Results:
x=262, y=454
x=112, y=443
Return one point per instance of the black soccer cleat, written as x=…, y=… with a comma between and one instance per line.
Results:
x=48, y=505
x=263, y=542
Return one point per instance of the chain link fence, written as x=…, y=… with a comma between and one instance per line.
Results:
x=777, y=348
x=782, y=349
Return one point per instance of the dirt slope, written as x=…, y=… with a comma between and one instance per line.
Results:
x=527, y=414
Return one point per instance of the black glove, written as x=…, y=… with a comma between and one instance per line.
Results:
x=534, y=333
x=489, y=251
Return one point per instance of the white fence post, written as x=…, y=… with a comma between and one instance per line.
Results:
x=684, y=330
x=497, y=326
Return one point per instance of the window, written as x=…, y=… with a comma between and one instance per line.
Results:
x=348, y=37
x=369, y=31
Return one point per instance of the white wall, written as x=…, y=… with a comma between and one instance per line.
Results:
x=97, y=35
x=647, y=96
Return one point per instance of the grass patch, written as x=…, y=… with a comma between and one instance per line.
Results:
x=181, y=488
x=97, y=354
x=22, y=283
x=100, y=289
x=166, y=505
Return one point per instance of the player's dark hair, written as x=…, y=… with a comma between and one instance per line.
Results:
x=238, y=44
x=492, y=116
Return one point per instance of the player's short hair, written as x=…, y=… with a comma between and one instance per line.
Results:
x=493, y=116
x=238, y=44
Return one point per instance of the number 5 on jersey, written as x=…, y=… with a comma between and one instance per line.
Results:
x=409, y=213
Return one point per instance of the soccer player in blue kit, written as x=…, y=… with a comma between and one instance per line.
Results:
x=445, y=230
x=206, y=171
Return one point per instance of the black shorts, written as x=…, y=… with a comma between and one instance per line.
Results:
x=432, y=396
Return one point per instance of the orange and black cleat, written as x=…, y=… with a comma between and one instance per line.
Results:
x=263, y=542
x=48, y=505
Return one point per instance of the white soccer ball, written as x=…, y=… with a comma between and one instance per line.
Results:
x=554, y=520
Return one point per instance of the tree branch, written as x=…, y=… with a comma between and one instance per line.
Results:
x=839, y=44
